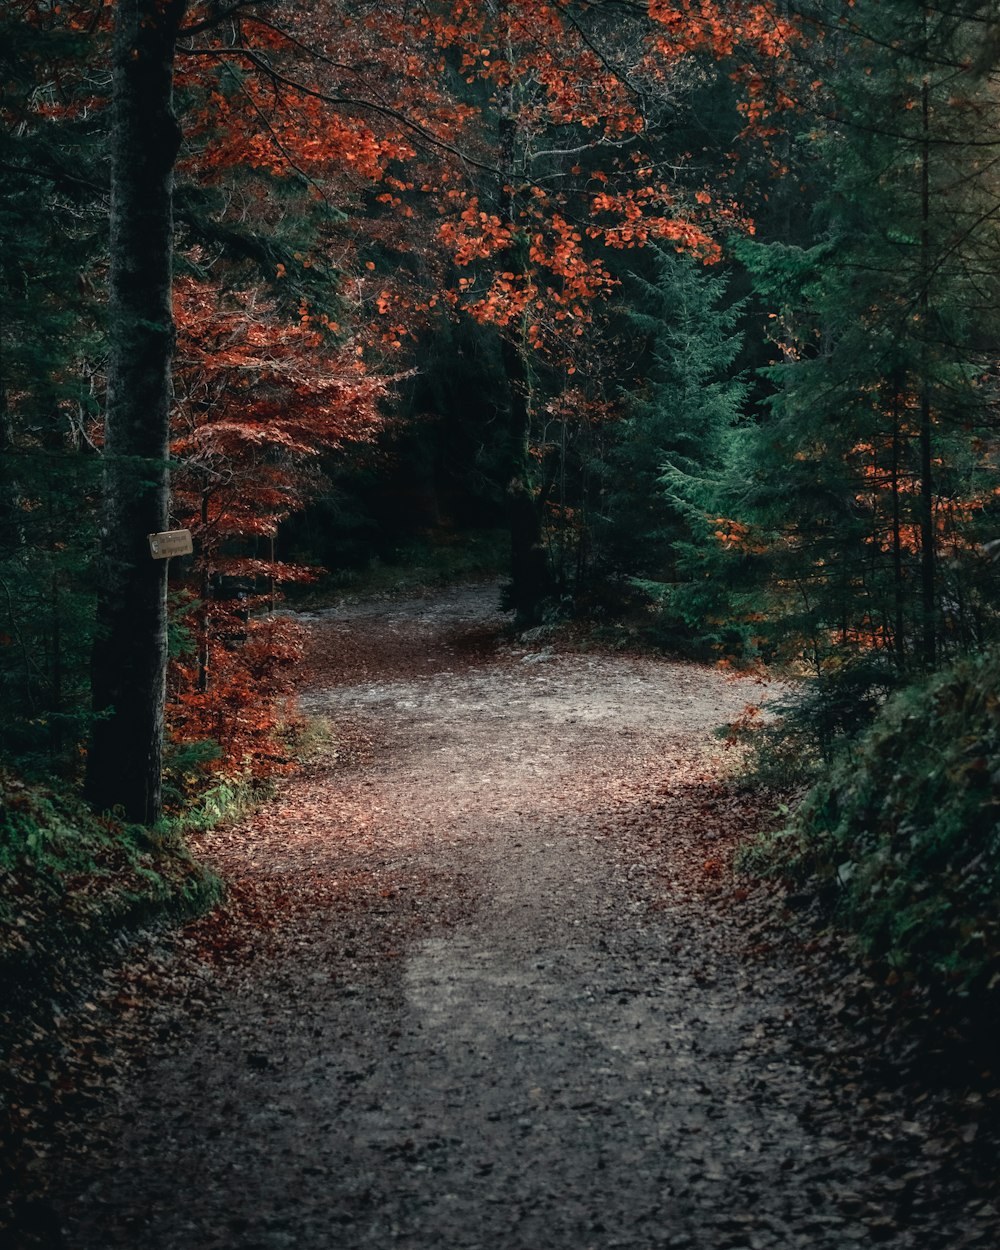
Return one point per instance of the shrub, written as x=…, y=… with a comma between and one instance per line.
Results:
x=902, y=834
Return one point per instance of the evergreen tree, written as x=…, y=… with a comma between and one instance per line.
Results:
x=871, y=473
x=677, y=421
x=51, y=220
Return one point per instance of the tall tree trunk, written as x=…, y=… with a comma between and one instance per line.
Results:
x=928, y=538
x=204, y=610
x=898, y=584
x=530, y=576
x=130, y=652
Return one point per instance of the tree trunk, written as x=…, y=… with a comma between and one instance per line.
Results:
x=530, y=578
x=900, y=647
x=530, y=581
x=928, y=538
x=130, y=651
x=205, y=595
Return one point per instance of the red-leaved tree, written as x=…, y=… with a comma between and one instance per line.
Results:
x=258, y=401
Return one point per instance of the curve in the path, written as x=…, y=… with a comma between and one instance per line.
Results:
x=531, y=1033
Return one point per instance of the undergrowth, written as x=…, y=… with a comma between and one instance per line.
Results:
x=74, y=888
x=805, y=724
x=899, y=839
x=72, y=883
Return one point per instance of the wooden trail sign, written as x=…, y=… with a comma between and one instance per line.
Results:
x=170, y=543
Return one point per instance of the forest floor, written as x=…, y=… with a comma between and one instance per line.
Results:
x=485, y=979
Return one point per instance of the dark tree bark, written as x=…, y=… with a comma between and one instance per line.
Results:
x=900, y=644
x=928, y=537
x=130, y=653
x=530, y=578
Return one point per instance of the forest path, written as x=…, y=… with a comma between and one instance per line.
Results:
x=483, y=984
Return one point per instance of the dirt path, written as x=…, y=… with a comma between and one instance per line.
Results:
x=477, y=989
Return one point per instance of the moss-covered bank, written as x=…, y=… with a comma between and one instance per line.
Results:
x=901, y=838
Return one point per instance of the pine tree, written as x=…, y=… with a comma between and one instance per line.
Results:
x=677, y=421
x=872, y=470
x=51, y=220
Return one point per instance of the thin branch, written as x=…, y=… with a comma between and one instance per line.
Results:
x=210, y=23
x=597, y=144
x=277, y=142
x=347, y=102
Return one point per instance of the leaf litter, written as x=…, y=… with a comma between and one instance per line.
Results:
x=485, y=977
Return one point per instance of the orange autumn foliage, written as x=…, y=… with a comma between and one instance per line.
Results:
x=258, y=400
x=250, y=701
x=562, y=127
x=531, y=175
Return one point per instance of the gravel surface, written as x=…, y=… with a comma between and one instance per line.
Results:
x=485, y=983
